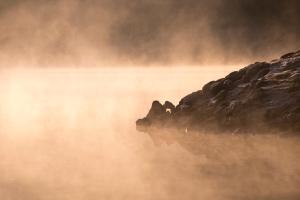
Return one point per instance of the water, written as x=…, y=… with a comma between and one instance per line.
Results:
x=70, y=134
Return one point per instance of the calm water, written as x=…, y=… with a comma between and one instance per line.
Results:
x=70, y=134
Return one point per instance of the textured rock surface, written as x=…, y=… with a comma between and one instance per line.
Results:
x=260, y=97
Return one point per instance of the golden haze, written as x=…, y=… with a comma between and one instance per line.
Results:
x=70, y=134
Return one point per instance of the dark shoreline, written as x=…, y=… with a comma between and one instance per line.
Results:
x=258, y=98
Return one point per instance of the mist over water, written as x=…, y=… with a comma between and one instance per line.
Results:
x=70, y=134
x=67, y=121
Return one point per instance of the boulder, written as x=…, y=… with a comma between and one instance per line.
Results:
x=262, y=97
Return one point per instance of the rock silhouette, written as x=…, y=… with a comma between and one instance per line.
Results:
x=263, y=96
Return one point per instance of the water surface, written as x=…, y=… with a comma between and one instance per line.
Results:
x=70, y=134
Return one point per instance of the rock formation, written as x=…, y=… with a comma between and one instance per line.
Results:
x=260, y=97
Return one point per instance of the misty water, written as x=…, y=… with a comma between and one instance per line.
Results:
x=70, y=134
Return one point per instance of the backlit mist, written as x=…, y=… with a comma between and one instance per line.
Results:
x=70, y=134
x=76, y=75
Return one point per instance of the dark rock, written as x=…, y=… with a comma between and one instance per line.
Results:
x=290, y=55
x=191, y=98
x=262, y=96
x=156, y=110
x=233, y=76
x=169, y=107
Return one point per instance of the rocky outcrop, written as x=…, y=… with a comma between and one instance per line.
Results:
x=260, y=97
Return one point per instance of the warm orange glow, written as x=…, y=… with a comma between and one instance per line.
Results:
x=70, y=134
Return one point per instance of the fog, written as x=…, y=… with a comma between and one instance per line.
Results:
x=76, y=75
x=70, y=134
x=93, y=33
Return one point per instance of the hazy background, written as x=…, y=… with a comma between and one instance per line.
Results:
x=145, y=32
x=69, y=134
x=67, y=128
